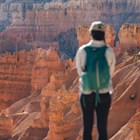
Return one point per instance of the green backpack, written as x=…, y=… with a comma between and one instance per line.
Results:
x=96, y=74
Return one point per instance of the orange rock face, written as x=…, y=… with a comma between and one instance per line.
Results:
x=45, y=63
x=39, y=26
x=52, y=101
x=129, y=35
x=15, y=76
x=50, y=109
x=126, y=99
x=47, y=105
x=6, y=124
x=83, y=35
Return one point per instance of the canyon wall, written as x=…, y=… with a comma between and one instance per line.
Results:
x=53, y=103
x=84, y=37
x=38, y=79
x=15, y=76
x=129, y=36
x=45, y=21
x=50, y=21
x=115, y=12
x=51, y=109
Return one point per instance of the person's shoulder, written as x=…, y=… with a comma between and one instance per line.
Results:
x=82, y=48
x=109, y=49
x=81, y=52
x=110, y=53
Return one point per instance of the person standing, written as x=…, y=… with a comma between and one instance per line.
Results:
x=95, y=95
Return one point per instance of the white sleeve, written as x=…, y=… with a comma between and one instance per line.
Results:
x=111, y=59
x=80, y=60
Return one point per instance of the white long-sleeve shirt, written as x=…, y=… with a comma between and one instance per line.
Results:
x=81, y=60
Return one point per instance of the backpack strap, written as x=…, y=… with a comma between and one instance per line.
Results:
x=98, y=99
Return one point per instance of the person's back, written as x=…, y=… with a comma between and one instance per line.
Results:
x=90, y=80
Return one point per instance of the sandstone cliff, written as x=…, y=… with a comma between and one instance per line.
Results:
x=40, y=91
x=52, y=111
x=129, y=37
x=6, y=124
x=53, y=103
x=44, y=21
x=114, y=12
x=84, y=37
x=15, y=76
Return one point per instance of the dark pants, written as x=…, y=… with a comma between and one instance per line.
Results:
x=102, y=110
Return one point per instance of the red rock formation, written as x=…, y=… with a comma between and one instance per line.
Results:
x=39, y=26
x=129, y=36
x=130, y=130
x=83, y=35
x=45, y=63
x=51, y=109
x=126, y=98
x=48, y=114
x=124, y=114
x=6, y=124
x=15, y=77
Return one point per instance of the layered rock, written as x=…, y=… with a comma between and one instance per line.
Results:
x=49, y=88
x=121, y=124
x=130, y=130
x=126, y=98
x=32, y=21
x=15, y=77
x=6, y=125
x=47, y=113
x=83, y=35
x=61, y=111
x=129, y=37
x=113, y=12
x=46, y=62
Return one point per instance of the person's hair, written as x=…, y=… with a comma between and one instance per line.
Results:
x=98, y=35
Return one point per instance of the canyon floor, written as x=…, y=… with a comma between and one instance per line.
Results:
x=40, y=98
